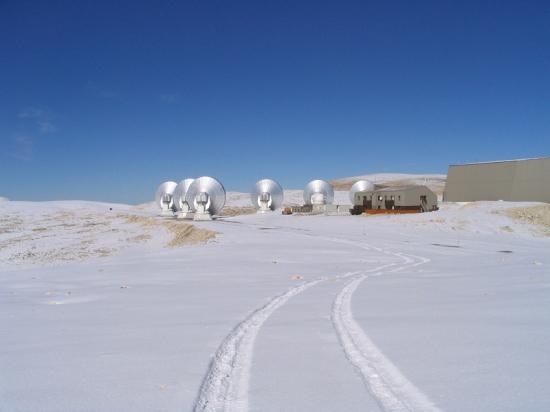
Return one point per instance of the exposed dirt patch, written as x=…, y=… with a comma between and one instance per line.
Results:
x=9, y=224
x=236, y=211
x=538, y=216
x=61, y=236
x=143, y=206
x=103, y=251
x=92, y=224
x=52, y=238
x=469, y=205
x=336, y=185
x=185, y=234
x=14, y=241
x=140, y=220
x=59, y=216
x=139, y=238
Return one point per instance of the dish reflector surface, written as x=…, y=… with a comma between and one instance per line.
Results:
x=267, y=191
x=321, y=192
x=164, y=195
x=207, y=190
x=179, y=193
x=360, y=186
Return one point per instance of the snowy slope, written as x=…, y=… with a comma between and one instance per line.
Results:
x=440, y=311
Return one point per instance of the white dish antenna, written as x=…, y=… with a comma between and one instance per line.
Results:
x=360, y=186
x=183, y=209
x=318, y=192
x=164, y=197
x=206, y=196
x=267, y=195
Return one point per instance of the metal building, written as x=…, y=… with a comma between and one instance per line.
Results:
x=512, y=180
x=399, y=199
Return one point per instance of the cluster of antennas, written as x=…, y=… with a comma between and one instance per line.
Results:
x=201, y=198
x=197, y=199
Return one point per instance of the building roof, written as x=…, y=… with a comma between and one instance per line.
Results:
x=396, y=189
x=500, y=161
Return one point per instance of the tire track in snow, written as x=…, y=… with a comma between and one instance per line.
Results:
x=225, y=386
x=386, y=383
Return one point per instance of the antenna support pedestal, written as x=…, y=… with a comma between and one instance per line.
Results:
x=202, y=216
x=264, y=204
x=166, y=212
x=318, y=208
x=185, y=215
x=264, y=209
x=266, y=195
x=202, y=212
x=185, y=212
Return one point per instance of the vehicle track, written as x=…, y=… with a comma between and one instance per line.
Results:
x=225, y=386
x=384, y=381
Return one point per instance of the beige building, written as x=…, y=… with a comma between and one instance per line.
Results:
x=419, y=198
x=512, y=180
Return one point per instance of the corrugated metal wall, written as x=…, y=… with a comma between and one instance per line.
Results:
x=517, y=180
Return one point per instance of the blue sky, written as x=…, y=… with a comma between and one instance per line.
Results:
x=104, y=100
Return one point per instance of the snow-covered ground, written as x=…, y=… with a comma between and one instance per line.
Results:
x=100, y=310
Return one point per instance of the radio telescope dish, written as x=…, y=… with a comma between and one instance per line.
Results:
x=164, y=197
x=206, y=196
x=360, y=186
x=318, y=192
x=267, y=195
x=183, y=208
